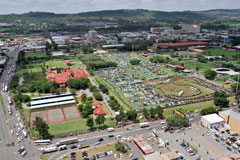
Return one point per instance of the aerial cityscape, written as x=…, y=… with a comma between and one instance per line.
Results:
x=120, y=80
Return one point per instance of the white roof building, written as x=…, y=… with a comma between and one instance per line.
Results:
x=212, y=121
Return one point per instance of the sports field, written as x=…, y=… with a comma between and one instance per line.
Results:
x=220, y=52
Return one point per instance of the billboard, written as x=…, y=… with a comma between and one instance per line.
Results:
x=177, y=112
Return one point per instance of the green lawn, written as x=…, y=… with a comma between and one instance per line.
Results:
x=192, y=107
x=202, y=66
x=3, y=106
x=220, y=52
x=74, y=126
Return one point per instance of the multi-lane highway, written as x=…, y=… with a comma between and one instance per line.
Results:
x=11, y=138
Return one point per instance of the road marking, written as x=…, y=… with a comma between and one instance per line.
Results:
x=212, y=147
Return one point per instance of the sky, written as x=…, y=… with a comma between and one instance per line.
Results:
x=77, y=6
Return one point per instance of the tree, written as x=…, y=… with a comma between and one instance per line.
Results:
x=98, y=96
x=209, y=110
x=135, y=61
x=48, y=46
x=80, y=107
x=84, y=97
x=100, y=119
x=73, y=91
x=197, y=69
x=55, y=46
x=176, y=121
x=152, y=112
x=90, y=122
x=120, y=147
x=131, y=115
x=42, y=128
x=81, y=83
x=159, y=111
x=145, y=113
x=157, y=59
x=221, y=101
x=210, y=74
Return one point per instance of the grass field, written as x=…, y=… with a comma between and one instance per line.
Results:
x=98, y=149
x=3, y=106
x=74, y=126
x=220, y=52
x=192, y=107
x=202, y=66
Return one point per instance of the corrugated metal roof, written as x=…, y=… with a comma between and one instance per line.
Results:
x=53, y=104
x=231, y=113
x=51, y=100
x=52, y=96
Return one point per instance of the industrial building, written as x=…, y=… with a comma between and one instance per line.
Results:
x=193, y=28
x=92, y=34
x=212, y=121
x=50, y=101
x=232, y=120
x=164, y=30
x=143, y=145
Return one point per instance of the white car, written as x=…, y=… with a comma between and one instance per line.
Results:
x=97, y=143
x=17, y=134
x=19, y=140
x=81, y=140
x=11, y=132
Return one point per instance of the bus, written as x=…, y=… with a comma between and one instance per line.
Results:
x=43, y=142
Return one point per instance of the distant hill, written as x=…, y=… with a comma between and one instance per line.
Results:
x=111, y=15
x=222, y=12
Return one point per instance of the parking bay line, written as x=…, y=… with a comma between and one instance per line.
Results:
x=211, y=146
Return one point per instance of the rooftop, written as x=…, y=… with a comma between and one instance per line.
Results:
x=213, y=118
x=178, y=44
x=231, y=113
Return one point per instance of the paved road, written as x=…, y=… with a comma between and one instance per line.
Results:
x=10, y=152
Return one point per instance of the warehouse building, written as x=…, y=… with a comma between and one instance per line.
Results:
x=50, y=101
x=232, y=120
x=212, y=121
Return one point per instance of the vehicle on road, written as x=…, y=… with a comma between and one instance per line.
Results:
x=49, y=150
x=110, y=129
x=63, y=147
x=100, y=139
x=83, y=146
x=23, y=153
x=143, y=125
x=24, y=133
x=110, y=135
x=21, y=149
x=67, y=141
x=43, y=142
x=74, y=146
x=97, y=143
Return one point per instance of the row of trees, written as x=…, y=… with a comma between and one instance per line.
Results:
x=125, y=116
x=135, y=61
x=152, y=112
x=113, y=103
x=157, y=59
x=103, y=88
x=81, y=83
x=101, y=64
x=100, y=119
x=220, y=99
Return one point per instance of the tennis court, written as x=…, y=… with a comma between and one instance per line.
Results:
x=41, y=114
x=71, y=113
x=55, y=115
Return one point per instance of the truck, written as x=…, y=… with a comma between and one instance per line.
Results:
x=24, y=133
x=49, y=150
x=62, y=147
x=83, y=146
x=143, y=125
x=110, y=129
x=67, y=141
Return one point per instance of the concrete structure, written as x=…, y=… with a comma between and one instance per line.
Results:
x=193, y=28
x=111, y=46
x=164, y=156
x=226, y=71
x=232, y=119
x=164, y=30
x=212, y=121
x=60, y=53
x=92, y=34
x=143, y=145
x=54, y=100
x=181, y=44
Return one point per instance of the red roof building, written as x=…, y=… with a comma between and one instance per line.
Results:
x=99, y=110
x=181, y=44
x=62, y=78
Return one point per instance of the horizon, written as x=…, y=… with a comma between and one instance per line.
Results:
x=81, y=6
